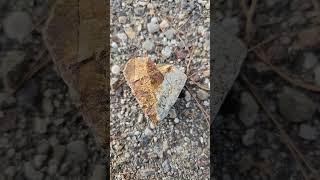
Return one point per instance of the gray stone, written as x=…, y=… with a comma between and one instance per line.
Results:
x=52, y=167
x=115, y=69
x=148, y=45
x=139, y=11
x=99, y=172
x=17, y=25
x=231, y=25
x=10, y=172
x=310, y=60
x=140, y=118
x=172, y=113
x=249, y=109
x=59, y=153
x=32, y=174
x=148, y=132
x=295, y=106
x=169, y=33
x=249, y=138
x=153, y=27
x=40, y=125
x=47, y=106
x=39, y=160
x=65, y=167
x=226, y=63
x=176, y=120
x=77, y=151
x=202, y=94
x=308, y=132
x=166, y=52
x=166, y=166
x=43, y=147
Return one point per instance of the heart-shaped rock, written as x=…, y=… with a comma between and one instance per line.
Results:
x=156, y=87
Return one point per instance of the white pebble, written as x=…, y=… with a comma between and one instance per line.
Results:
x=115, y=69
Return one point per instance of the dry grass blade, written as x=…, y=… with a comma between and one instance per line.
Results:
x=284, y=75
x=206, y=115
x=249, y=13
x=285, y=137
x=34, y=70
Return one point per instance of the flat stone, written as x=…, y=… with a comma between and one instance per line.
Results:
x=156, y=87
x=295, y=105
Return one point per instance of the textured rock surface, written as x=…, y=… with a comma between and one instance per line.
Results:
x=156, y=88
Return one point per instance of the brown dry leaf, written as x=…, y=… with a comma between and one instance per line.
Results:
x=76, y=37
x=308, y=38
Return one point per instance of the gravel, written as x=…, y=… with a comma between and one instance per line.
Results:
x=17, y=25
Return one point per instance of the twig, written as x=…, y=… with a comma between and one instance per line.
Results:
x=249, y=13
x=189, y=61
x=266, y=41
x=34, y=70
x=206, y=116
x=286, y=138
x=286, y=76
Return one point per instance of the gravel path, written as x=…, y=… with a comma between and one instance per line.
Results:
x=178, y=147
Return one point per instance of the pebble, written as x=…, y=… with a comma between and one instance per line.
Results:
x=166, y=166
x=47, y=106
x=77, y=151
x=17, y=25
x=122, y=36
x=148, y=132
x=139, y=11
x=187, y=96
x=169, y=33
x=231, y=24
x=166, y=52
x=115, y=69
x=10, y=172
x=176, y=120
x=164, y=25
x=153, y=27
x=148, y=45
x=43, y=147
x=40, y=125
x=99, y=172
x=295, y=105
x=249, y=109
x=122, y=19
x=39, y=160
x=308, y=132
x=172, y=113
x=249, y=137
x=310, y=60
x=202, y=94
x=140, y=118
x=31, y=173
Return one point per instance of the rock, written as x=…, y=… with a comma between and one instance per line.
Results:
x=139, y=11
x=8, y=121
x=249, y=137
x=32, y=174
x=227, y=60
x=40, y=125
x=317, y=75
x=172, y=113
x=295, y=106
x=47, y=106
x=176, y=120
x=39, y=160
x=166, y=52
x=153, y=27
x=122, y=19
x=65, y=167
x=17, y=25
x=77, y=151
x=231, y=25
x=166, y=166
x=6, y=100
x=10, y=172
x=115, y=69
x=169, y=33
x=148, y=132
x=310, y=60
x=308, y=132
x=249, y=109
x=52, y=167
x=130, y=32
x=146, y=172
x=164, y=25
x=58, y=153
x=43, y=147
x=148, y=45
x=140, y=118
x=156, y=88
x=99, y=172
x=202, y=94
x=122, y=36
x=187, y=96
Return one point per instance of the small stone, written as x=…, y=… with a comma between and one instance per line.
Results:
x=169, y=33
x=40, y=125
x=308, y=132
x=176, y=120
x=10, y=172
x=166, y=52
x=202, y=94
x=65, y=167
x=17, y=25
x=130, y=32
x=148, y=45
x=153, y=27
x=122, y=19
x=31, y=173
x=249, y=137
x=99, y=172
x=77, y=151
x=140, y=118
x=139, y=11
x=43, y=147
x=166, y=166
x=172, y=113
x=122, y=36
x=115, y=69
x=152, y=126
x=295, y=106
x=148, y=132
x=58, y=153
x=164, y=25
x=39, y=160
x=310, y=60
x=187, y=96
x=249, y=109
x=146, y=172
x=231, y=25
x=47, y=106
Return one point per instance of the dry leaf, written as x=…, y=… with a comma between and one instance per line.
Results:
x=156, y=88
x=76, y=37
